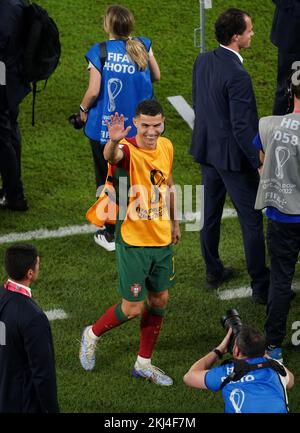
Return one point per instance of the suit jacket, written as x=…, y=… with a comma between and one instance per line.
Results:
x=285, y=33
x=225, y=112
x=11, y=48
x=27, y=366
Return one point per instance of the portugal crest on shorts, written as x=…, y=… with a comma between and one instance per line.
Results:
x=136, y=289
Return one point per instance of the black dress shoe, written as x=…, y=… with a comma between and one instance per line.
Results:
x=212, y=282
x=16, y=205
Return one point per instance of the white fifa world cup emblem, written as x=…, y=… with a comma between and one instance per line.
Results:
x=282, y=154
x=114, y=87
x=237, y=397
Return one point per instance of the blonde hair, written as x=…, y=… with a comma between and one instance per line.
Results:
x=119, y=21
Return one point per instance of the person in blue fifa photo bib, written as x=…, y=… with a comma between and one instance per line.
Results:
x=250, y=382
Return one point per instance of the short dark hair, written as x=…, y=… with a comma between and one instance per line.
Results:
x=19, y=259
x=149, y=107
x=231, y=22
x=251, y=342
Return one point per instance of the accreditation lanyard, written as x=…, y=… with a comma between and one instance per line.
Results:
x=18, y=288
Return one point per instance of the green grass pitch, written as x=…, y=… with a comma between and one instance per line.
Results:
x=79, y=276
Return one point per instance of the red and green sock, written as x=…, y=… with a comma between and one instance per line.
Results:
x=112, y=318
x=151, y=323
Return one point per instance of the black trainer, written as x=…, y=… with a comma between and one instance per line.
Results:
x=212, y=282
x=105, y=239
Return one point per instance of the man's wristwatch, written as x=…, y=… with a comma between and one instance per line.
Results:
x=84, y=110
x=218, y=353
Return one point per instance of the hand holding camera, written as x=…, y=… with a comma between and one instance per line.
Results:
x=223, y=346
x=83, y=116
x=232, y=322
x=76, y=121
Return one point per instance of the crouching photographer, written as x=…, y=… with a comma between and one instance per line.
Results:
x=250, y=381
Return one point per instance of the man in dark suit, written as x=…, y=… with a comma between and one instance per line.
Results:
x=225, y=125
x=285, y=35
x=11, y=95
x=27, y=367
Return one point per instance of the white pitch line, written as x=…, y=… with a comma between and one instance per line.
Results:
x=229, y=213
x=83, y=229
x=245, y=292
x=241, y=292
x=57, y=314
x=183, y=108
x=196, y=216
x=47, y=234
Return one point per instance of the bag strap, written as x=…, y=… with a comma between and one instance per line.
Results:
x=241, y=368
x=33, y=101
x=103, y=54
x=34, y=92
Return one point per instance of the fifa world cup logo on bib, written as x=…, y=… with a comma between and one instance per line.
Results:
x=282, y=154
x=237, y=398
x=114, y=87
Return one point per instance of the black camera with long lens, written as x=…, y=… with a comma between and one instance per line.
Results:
x=232, y=320
x=76, y=121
